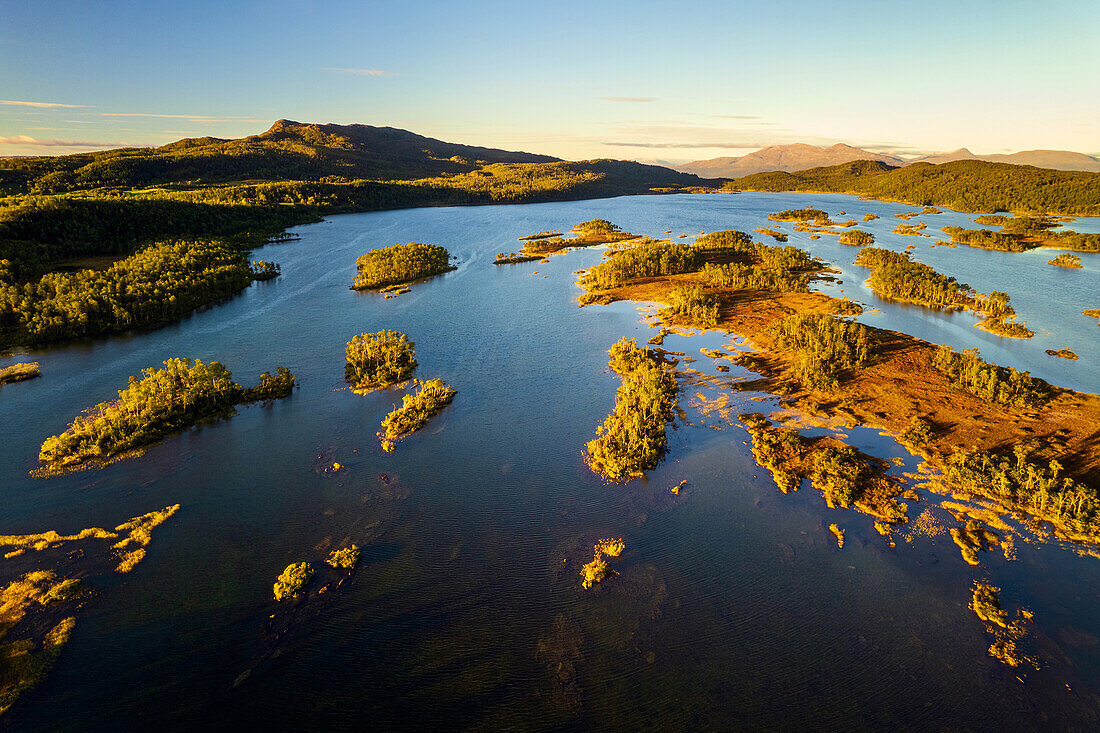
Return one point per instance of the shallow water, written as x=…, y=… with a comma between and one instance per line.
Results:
x=733, y=607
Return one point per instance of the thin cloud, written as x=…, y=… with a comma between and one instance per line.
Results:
x=629, y=99
x=738, y=117
x=28, y=140
x=41, y=104
x=197, y=118
x=361, y=72
x=684, y=145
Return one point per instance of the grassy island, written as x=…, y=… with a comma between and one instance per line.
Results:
x=912, y=230
x=857, y=238
x=381, y=359
x=417, y=409
x=163, y=401
x=19, y=372
x=633, y=439
x=400, y=263
x=806, y=214
x=1066, y=260
x=346, y=558
x=597, y=571
x=773, y=233
x=586, y=234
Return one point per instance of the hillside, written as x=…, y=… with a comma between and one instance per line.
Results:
x=287, y=151
x=796, y=157
x=801, y=157
x=964, y=185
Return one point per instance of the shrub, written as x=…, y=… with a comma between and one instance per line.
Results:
x=345, y=558
x=293, y=579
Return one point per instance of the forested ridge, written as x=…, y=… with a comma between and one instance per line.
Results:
x=964, y=185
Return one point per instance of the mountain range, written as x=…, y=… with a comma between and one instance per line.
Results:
x=800, y=156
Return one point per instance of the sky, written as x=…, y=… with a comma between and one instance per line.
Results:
x=651, y=81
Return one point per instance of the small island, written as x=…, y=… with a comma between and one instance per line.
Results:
x=1063, y=354
x=586, y=234
x=165, y=400
x=857, y=238
x=377, y=360
x=19, y=372
x=416, y=410
x=633, y=438
x=1066, y=260
x=400, y=264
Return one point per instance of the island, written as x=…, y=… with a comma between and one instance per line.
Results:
x=377, y=360
x=19, y=372
x=164, y=400
x=400, y=264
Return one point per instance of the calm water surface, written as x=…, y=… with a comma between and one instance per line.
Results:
x=733, y=607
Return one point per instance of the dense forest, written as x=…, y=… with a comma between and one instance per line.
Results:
x=964, y=185
x=165, y=400
x=400, y=263
x=158, y=284
x=823, y=346
x=1003, y=385
x=379, y=359
x=633, y=439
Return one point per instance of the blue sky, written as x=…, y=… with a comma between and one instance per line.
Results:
x=643, y=80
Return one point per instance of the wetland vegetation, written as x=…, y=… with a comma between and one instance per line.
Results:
x=19, y=372
x=292, y=580
x=1003, y=385
x=822, y=347
x=417, y=409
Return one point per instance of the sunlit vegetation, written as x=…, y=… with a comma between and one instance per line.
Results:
x=870, y=217
x=779, y=269
x=986, y=239
x=1092, y=313
x=598, y=570
x=1066, y=260
x=1063, y=353
x=633, y=438
x=19, y=372
x=1019, y=483
x=400, y=263
x=346, y=558
x=911, y=230
x=379, y=359
x=971, y=539
x=773, y=233
x=1008, y=328
x=894, y=275
x=724, y=242
x=691, y=305
x=417, y=409
x=41, y=602
x=800, y=215
x=857, y=238
x=918, y=433
x=649, y=259
x=158, y=284
x=163, y=401
x=1003, y=385
x=264, y=270
x=845, y=477
x=986, y=605
x=541, y=235
x=839, y=534
x=293, y=580
x=596, y=228
x=822, y=346
x=965, y=185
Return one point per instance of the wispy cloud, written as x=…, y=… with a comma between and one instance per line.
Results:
x=28, y=140
x=41, y=104
x=737, y=117
x=197, y=118
x=629, y=99
x=737, y=145
x=361, y=72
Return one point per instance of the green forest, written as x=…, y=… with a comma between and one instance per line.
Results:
x=823, y=346
x=632, y=438
x=379, y=359
x=400, y=263
x=1003, y=385
x=165, y=400
x=964, y=185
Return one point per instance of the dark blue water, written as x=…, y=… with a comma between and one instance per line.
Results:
x=733, y=607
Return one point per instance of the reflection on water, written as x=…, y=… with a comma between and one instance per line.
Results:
x=733, y=607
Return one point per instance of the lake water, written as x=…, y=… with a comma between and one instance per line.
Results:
x=733, y=607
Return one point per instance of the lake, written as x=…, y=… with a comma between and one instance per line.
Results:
x=732, y=608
